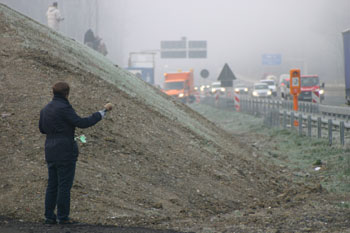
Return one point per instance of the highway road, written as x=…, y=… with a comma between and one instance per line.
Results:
x=335, y=96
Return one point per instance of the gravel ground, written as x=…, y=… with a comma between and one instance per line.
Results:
x=152, y=163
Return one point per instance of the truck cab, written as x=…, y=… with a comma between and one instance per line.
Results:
x=309, y=84
x=179, y=85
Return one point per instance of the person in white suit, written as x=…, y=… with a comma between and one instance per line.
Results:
x=53, y=17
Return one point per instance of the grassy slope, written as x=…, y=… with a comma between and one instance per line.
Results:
x=287, y=148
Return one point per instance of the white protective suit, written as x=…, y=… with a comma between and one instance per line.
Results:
x=53, y=17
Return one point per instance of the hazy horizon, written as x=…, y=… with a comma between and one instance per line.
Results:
x=307, y=34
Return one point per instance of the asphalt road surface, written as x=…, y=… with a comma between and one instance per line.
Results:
x=335, y=96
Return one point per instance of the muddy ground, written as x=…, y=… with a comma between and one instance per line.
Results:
x=151, y=163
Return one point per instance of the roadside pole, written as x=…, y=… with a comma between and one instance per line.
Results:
x=316, y=97
x=237, y=102
x=295, y=89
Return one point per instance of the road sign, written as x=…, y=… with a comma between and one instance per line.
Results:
x=272, y=59
x=182, y=49
x=197, y=49
x=173, y=48
x=204, y=73
x=173, y=54
x=197, y=54
x=226, y=76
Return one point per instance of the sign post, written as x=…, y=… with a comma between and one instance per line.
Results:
x=295, y=87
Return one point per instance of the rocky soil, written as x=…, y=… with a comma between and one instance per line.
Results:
x=152, y=162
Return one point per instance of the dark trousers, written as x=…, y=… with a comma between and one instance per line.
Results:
x=61, y=176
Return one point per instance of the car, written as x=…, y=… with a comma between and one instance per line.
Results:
x=261, y=90
x=241, y=89
x=217, y=88
x=271, y=84
x=204, y=89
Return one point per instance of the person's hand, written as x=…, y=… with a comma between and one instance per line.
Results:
x=103, y=113
x=108, y=107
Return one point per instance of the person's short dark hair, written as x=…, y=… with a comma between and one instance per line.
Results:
x=61, y=88
x=54, y=4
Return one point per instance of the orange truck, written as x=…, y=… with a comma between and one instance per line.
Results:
x=180, y=85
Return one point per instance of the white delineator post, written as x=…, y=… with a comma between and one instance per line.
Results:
x=237, y=104
x=316, y=97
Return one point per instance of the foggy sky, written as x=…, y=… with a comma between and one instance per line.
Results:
x=307, y=33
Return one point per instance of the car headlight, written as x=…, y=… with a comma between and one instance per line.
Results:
x=246, y=89
x=269, y=93
x=181, y=95
x=222, y=89
x=321, y=92
x=213, y=90
x=255, y=93
x=236, y=90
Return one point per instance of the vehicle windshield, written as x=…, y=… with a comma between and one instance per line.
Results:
x=174, y=86
x=268, y=82
x=261, y=87
x=309, y=81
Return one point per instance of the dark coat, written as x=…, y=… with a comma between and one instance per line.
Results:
x=58, y=121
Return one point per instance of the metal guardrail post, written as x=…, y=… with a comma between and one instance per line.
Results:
x=270, y=114
x=248, y=106
x=319, y=127
x=251, y=110
x=284, y=120
x=245, y=107
x=309, y=125
x=330, y=126
x=342, y=136
x=292, y=120
x=300, y=124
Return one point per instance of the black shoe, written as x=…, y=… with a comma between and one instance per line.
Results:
x=50, y=221
x=67, y=221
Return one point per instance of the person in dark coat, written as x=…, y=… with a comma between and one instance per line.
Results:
x=95, y=42
x=58, y=121
x=90, y=39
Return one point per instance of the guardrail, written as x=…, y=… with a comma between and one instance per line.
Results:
x=317, y=120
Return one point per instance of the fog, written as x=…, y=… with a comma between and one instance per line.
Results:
x=306, y=33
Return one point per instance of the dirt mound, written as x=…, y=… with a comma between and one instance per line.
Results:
x=152, y=162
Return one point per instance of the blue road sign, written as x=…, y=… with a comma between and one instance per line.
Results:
x=271, y=59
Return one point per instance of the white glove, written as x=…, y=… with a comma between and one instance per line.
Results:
x=103, y=113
